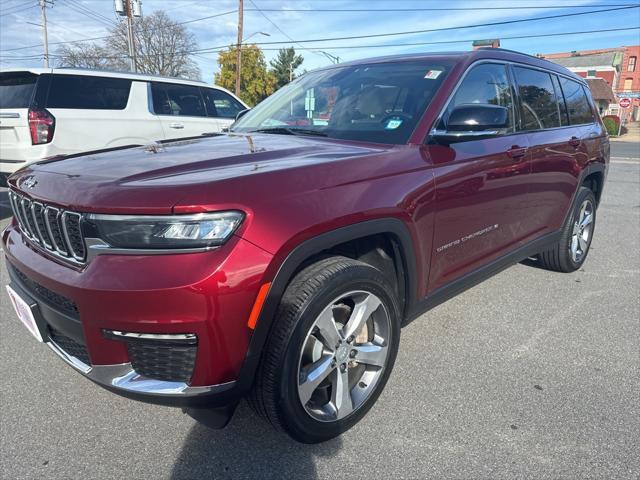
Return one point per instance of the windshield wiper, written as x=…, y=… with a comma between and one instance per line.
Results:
x=290, y=131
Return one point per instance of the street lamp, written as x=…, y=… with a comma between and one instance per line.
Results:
x=333, y=58
x=239, y=58
x=254, y=34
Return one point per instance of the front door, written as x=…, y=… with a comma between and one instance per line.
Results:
x=181, y=110
x=481, y=184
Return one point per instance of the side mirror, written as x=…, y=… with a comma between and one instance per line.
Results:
x=242, y=113
x=474, y=120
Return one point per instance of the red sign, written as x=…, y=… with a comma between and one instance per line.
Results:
x=624, y=102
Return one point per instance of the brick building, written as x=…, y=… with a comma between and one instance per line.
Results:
x=618, y=67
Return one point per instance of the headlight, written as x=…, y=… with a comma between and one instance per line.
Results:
x=160, y=231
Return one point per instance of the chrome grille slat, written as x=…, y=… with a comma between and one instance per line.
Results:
x=13, y=199
x=37, y=211
x=52, y=220
x=73, y=234
x=25, y=207
x=56, y=231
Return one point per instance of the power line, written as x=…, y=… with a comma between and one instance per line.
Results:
x=280, y=30
x=87, y=12
x=208, y=17
x=104, y=37
x=18, y=8
x=442, y=29
x=410, y=44
x=353, y=37
x=435, y=9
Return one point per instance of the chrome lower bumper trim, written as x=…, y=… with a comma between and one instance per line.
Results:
x=123, y=377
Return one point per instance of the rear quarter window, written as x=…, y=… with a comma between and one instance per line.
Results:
x=16, y=89
x=88, y=93
x=577, y=102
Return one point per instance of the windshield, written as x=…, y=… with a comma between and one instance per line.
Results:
x=379, y=103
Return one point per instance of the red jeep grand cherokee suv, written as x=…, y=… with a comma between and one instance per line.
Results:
x=280, y=260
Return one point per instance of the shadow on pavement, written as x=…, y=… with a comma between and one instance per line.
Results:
x=5, y=208
x=248, y=448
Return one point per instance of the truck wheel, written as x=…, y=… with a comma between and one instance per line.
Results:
x=330, y=351
x=571, y=250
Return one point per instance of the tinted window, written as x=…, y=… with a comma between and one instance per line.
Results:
x=564, y=115
x=221, y=104
x=86, y=92
x=380, y=102
x=577, y=102
x=174, y=99
x=538, y=102
x=484, y=84
x=16, y=89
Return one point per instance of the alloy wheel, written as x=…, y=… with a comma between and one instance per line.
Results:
x=581, y=234
x=343, y=356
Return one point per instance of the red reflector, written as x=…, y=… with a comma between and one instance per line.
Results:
x=41, y=126
x=257, y=306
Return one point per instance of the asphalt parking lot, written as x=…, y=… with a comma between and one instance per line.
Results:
x=530, y=374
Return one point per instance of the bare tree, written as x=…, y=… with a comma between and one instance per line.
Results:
x=163, y=47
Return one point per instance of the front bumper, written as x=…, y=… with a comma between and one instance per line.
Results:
x=209, y=294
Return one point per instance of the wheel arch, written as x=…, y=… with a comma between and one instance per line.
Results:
x=314, y=247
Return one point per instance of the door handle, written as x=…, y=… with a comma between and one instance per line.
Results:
x=516, y=152
x=574, y=142
x=177, y=126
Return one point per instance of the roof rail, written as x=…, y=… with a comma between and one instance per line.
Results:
x=124, y=72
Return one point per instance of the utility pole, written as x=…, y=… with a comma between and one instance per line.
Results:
x=132, y=45
x=239, y=47
x=45, y=37
x=129, y=9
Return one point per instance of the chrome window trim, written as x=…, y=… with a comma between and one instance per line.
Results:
x=470, y=133
x=462, y=79
x=513, y=84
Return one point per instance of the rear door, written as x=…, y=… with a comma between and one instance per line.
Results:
x=94, y=112
x=181, y=110
x=481, y=184
x=17, y=90
x=584, y=117
x=221, y=106
x=556, y=147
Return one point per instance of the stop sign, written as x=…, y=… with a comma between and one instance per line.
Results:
x=624, y=102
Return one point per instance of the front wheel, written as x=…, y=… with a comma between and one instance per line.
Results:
x=330, y=351
x=571, y=250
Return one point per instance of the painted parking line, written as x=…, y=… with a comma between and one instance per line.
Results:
x=626, y=160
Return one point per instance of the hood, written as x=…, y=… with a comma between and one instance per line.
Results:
x=154, y=178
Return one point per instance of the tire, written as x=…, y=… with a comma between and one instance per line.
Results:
x=330, y=290
x=563, y=256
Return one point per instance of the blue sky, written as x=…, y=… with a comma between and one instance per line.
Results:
x=66, y=24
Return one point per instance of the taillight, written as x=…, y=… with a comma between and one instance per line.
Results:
x=41, y=126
